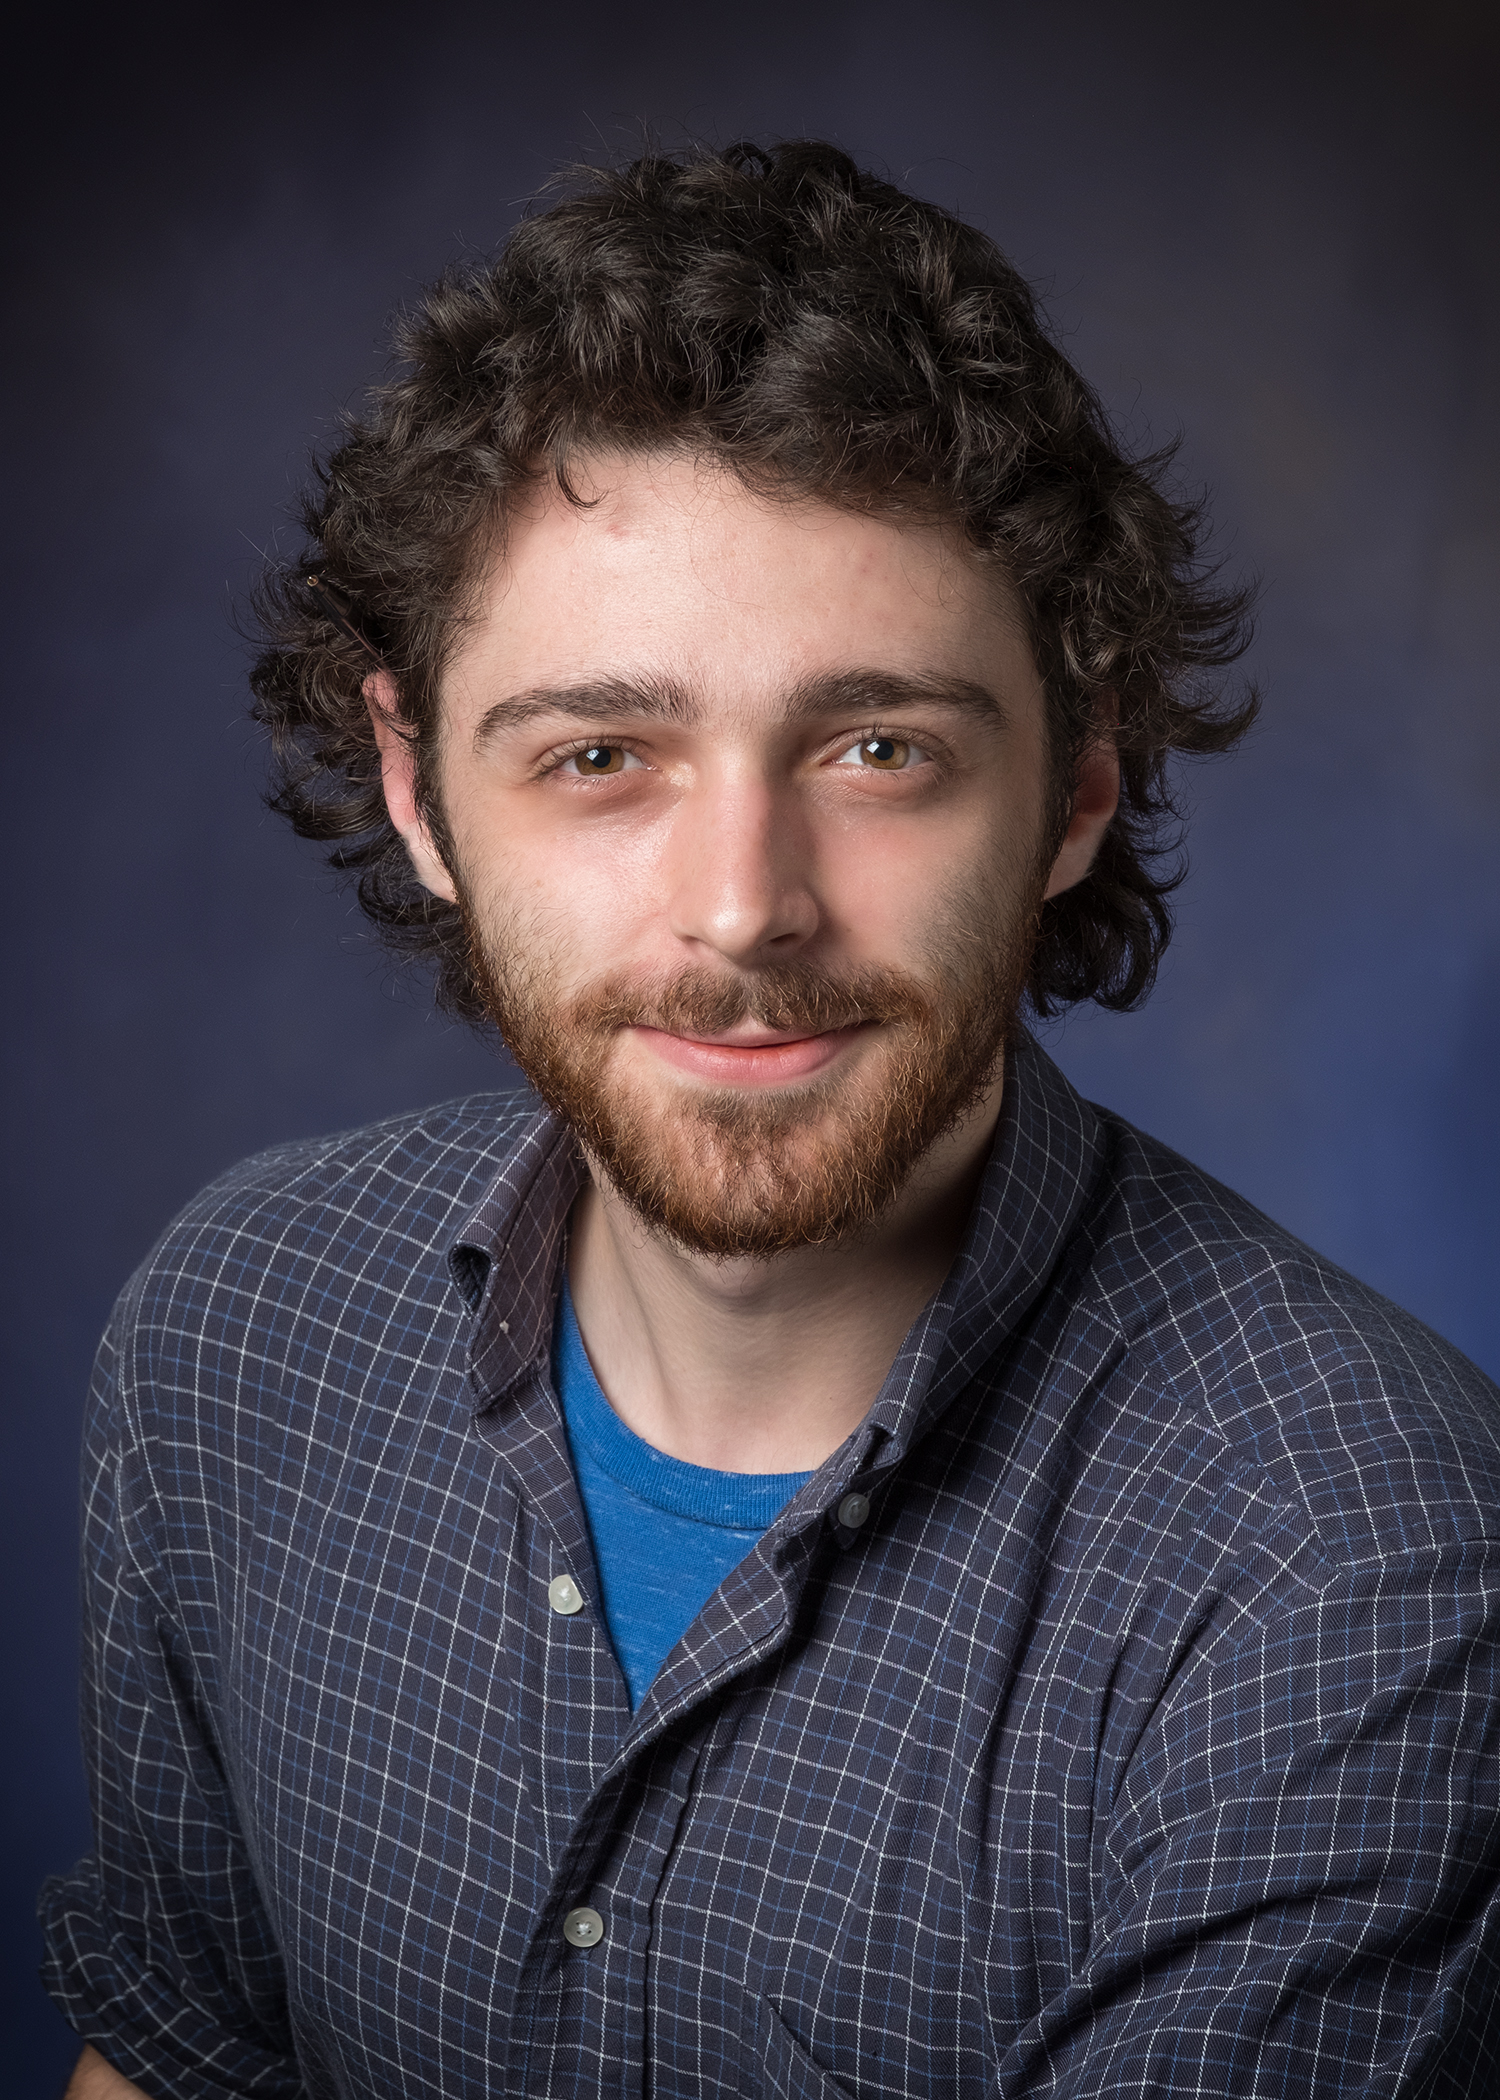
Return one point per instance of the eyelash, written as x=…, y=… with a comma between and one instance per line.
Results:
x=556, y=760
x=875, y=732
x=914, y=740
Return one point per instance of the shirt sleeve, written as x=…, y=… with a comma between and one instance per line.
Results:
x=1299, y=1885
x=159, y=1949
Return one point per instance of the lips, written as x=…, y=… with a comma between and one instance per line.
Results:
x=773, y=1059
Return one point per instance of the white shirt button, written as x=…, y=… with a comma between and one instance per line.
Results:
x=583, y=1928
x=853, y=1511
x=564, y=1595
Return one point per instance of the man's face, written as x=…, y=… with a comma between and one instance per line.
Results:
x=746, y=806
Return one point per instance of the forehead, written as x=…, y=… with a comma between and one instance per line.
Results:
x=669, y=565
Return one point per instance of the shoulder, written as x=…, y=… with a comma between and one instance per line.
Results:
x=347, y=1214
x=1384, y=1434
x=441, y=1157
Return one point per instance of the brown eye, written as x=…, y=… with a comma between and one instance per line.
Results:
x=887, y=753
x=600, y=758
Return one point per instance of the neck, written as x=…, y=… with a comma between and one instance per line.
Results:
x=765, y=1366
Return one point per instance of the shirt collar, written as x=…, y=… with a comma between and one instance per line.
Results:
x=1043, y=1165
x=506, y=1257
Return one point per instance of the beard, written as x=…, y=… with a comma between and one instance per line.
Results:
x=728, y=1171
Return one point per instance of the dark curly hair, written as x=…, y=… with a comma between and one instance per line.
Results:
x=821, y=333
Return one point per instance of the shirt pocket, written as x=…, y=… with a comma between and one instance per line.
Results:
x=786, y=2071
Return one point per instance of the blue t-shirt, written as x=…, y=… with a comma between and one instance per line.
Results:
x=665, y=1533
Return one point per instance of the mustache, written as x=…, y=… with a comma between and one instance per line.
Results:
x=789, y=997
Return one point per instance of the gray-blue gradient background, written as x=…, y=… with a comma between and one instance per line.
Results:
x=1269, y=229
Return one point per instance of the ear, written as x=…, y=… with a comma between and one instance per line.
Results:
x=1096, y=797
x=398, y=775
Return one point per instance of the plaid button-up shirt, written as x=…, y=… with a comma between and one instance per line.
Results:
x=1142, y=1740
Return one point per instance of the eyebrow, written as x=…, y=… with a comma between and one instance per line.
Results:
x=603, y=701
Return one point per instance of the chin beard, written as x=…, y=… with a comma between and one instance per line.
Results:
x=727, y=1172
x=724, y=1172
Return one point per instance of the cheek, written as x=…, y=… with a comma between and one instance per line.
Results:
x=894, y=887
x=876, y=906
x=582, y=896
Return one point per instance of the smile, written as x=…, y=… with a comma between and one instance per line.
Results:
x=763, y=1057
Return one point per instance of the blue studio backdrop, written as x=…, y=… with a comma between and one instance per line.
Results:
x=1267, y=230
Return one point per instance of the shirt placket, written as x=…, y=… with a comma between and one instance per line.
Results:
x=609, y=1807
x=578, y=2019
x=579, y=2026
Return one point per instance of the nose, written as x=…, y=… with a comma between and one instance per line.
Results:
x=741, y=876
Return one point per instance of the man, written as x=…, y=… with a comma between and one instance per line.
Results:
x=809, y=1560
